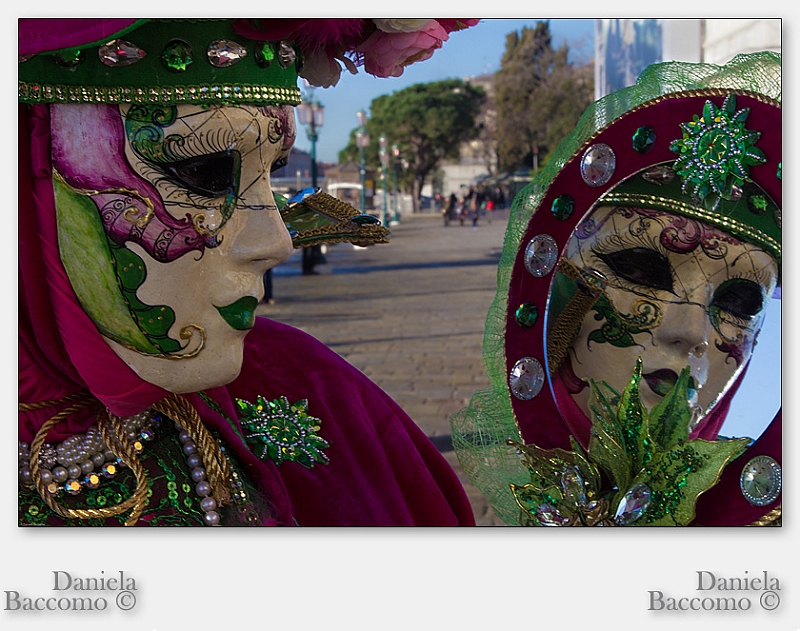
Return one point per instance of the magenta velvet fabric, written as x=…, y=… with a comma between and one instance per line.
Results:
x=383, y=470
x=38, y=35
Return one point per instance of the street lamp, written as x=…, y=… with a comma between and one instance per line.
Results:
x=384, y=154
x=312, y=115
x=396, y=165
x=362, y=142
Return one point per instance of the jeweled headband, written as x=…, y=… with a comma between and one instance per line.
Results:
x=166, y=61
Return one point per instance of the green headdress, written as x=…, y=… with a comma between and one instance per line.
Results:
x=165, y=61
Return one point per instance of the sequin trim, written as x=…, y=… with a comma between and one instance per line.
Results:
x=197, y=94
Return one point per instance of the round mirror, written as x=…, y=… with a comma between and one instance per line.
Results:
x=642, y=276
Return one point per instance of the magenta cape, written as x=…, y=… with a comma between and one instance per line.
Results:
x=383, y=470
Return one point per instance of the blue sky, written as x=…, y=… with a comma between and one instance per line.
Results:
x=468, y=53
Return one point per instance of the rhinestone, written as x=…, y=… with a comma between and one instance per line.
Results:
x=52, y=488
x=73, y=487
x=548, y=515
x=643, y=139
x=224, y=52
x=659, y=175
x=572, y=483
x=118, y=52
x=527, y=314
x=47, y=456
x=177, y=55
x=760, y=481
x=541, y=255
x=632, y=505
x=91, y=481
x=265, y=54
x=286, y=55
x=598, y=164
x=562, y=207
x=109, y=470
x=526, y=378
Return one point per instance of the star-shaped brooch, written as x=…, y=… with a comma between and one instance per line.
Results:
x=716, y=151
x=282, y=431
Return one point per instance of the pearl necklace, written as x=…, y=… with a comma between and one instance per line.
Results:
x=84, y=460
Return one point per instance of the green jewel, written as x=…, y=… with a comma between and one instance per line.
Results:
x=643, y=139
x=284, y=432
x=527, y=314
x=562, y=207
x=780, y=169
x=177, y=55
x=68, y=58
x=716, y=151
x=265, y=54
x=640, y=467
x=757, y=204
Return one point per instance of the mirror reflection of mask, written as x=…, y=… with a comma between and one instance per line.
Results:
x=167, y=223
x=669, y=289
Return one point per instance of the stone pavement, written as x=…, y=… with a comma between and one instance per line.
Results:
x=409, y=314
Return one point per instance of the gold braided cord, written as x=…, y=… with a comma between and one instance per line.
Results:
x=137, y=500
x=51, y=403
x=769, y=519
x=112, y=432
x=217, y=467
x=569, y=321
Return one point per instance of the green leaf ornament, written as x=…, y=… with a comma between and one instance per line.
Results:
x=640, y=464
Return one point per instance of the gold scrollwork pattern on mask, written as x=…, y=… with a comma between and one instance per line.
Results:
x=132, y=213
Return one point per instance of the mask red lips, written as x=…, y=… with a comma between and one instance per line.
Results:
x=663, y=380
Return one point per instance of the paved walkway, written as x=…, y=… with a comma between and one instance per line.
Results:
x=409, y=314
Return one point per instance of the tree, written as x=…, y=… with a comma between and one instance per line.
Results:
x=540, y=96
x=429, y=121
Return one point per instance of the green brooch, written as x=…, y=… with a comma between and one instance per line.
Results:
x=716, y=151
x=640, y=468
x=282, y=431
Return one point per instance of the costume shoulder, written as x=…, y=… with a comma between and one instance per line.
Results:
x=382, y=469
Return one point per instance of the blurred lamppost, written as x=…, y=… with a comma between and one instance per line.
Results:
x=396, y=167
x=384, y=154
x=362, y=142
x=312, y=115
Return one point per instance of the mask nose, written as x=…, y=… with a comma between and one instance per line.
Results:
x=263, y=238
x=684, y=330
x=262, y=235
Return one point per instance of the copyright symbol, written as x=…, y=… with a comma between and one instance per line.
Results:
x=126, y=600
x=770, y=601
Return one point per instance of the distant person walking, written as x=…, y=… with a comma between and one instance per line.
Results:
x=451, y=210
